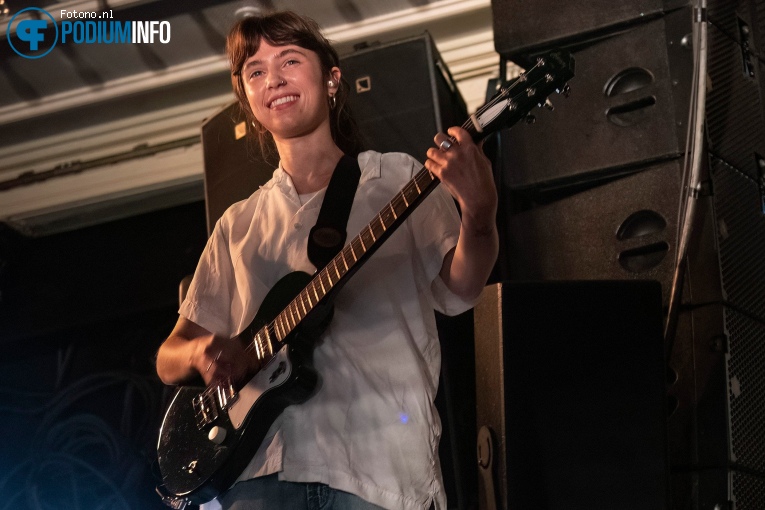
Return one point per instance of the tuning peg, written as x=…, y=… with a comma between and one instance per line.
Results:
x=530, y=119
x=566, y=90
x=548, y=104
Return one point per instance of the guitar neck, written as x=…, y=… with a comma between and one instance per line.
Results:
x=358, y=250
x=353, y=255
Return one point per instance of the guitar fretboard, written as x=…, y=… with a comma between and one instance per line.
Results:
x=270, y=338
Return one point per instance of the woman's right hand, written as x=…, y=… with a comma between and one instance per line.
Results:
x=220, y=359
x=191, y=350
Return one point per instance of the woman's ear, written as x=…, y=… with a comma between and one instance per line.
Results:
x=334, y=79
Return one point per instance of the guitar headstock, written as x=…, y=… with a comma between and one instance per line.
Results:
x=550, y=74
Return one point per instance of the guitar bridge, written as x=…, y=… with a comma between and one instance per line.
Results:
x=214, y=400
x=173, y=502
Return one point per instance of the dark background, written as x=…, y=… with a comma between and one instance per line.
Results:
x=82, y=314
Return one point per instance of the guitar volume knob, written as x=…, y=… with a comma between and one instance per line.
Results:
x=217, y=434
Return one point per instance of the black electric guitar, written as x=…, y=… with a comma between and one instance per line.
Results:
x=209, y=435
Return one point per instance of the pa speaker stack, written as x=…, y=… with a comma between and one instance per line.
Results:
x=591, y=191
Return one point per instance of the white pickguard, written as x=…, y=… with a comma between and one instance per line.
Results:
x=273, y=375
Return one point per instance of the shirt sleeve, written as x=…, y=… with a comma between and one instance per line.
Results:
x=436, y=229
x=209, y=297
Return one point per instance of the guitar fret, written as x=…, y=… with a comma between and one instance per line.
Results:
x=313, y=286
x=417, y=186
x=275, y=330
x=334, y=263
x=376, y=226
x=291, y=316
x=308, y=295
x=353, y=252
x=393, y=211
x=261, y=346
x=403, y=197
x=423, y=178
x=323, y=290
x=296, y=311
x=302, y=303
x=361, y=240
x=371, y=233
x=398, y=202
x=268, y=334
x=279, y=328
x=411, y=192
x=345, y=263
x=258, y=349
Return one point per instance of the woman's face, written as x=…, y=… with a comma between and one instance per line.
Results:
x=287, y=90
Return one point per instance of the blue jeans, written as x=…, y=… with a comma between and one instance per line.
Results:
x=268, y=493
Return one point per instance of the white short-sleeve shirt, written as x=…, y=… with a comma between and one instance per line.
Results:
x=371, y=429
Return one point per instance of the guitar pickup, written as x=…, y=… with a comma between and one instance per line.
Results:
x=210, y=403
x=205, y=409
x=226, y=394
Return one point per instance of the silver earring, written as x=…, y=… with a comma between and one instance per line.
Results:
x=332, y=102
x=331, y=83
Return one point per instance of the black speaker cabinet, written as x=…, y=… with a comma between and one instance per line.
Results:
x=628, y=106
x=234, y=165
x=522, y=27
x=715, y=429
x=402, y=94
x=570, y=378
x=614, y=230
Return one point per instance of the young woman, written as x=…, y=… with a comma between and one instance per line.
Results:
x=368, y=437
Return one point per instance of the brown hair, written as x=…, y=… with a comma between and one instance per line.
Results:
x=279, y=29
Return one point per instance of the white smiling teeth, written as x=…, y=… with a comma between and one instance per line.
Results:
x=283, y=100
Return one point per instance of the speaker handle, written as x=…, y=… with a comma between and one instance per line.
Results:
x=485, y=449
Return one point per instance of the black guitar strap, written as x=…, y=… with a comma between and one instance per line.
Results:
x=328, y=236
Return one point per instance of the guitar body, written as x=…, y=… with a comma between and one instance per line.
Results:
x=196, y=468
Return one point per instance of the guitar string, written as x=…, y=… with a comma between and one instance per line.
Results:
x=279, y=321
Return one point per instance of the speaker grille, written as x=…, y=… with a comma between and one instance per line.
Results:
x=734, y=110
x=741, y=231
x=758, y=18
x=748, y=491
x=747, y=390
